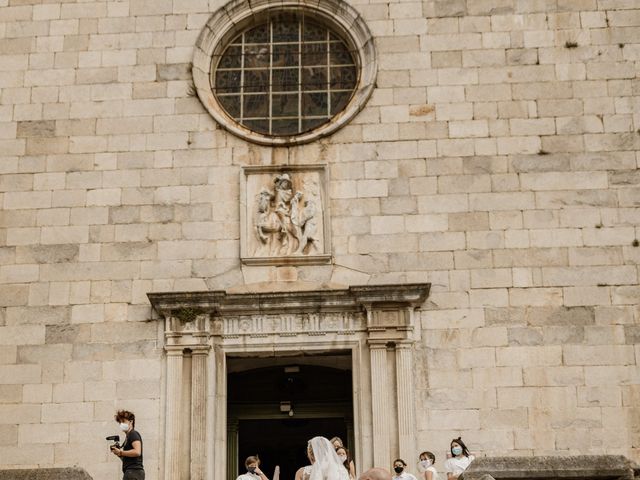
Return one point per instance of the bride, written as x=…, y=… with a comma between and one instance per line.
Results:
x=325, y=463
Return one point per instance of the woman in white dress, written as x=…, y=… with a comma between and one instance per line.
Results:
x=325, y=463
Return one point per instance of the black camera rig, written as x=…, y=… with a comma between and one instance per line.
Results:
x=115, y=439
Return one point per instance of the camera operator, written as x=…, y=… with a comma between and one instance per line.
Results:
x=131, y=450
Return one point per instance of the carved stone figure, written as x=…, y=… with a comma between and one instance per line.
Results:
x=284, y=228
x=308, y=227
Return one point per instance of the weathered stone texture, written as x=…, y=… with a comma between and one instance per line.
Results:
x=497, y=159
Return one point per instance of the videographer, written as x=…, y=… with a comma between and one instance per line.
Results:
x=131, y=450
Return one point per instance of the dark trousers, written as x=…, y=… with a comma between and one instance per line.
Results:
x=131, y=474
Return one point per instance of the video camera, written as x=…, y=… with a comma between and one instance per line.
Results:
x=115, y=439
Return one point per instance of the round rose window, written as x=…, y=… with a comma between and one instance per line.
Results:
x=284, y=77
x=287, y=74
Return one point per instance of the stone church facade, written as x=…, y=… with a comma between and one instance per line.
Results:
x=439, y=207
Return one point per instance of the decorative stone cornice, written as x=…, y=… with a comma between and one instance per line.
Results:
x=184, y=305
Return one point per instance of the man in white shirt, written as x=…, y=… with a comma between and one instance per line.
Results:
x=399, y=466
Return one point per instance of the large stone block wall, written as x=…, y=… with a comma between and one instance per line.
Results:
x=497, y=159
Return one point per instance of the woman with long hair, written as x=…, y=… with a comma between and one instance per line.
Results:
x=345, y=458
x=337, y=444
x=460, y=459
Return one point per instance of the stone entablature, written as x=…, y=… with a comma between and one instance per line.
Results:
x=380, y=310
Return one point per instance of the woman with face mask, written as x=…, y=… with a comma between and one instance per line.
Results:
x=338, y=443
x=426, y=466
x=343, y=455
x=131, y=450
x=399, y=467
x=460, y=459
x=252, y=464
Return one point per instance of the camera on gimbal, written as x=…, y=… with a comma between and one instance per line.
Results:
x=116, y=441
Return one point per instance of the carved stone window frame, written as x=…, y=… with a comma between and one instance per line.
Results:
x=376, y=323
x=237, y=15
x=246, y=207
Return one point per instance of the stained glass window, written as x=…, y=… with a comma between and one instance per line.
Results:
x=285, y=76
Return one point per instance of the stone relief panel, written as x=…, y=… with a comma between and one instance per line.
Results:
x=285, y=215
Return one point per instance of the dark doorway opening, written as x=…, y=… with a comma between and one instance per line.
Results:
x=284, y=442
x=276, y=404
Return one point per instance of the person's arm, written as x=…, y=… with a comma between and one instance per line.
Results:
x=299, y=474
x=428, y=475
x=261, y=473
x=449, y=469
x=136, y=451
x=352, y=469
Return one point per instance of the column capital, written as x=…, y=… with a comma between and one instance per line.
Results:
x=174, y=351
x=200, y=350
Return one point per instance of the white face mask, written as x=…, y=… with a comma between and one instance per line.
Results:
x=343, y=458
x=124, y=427
x=425, y=463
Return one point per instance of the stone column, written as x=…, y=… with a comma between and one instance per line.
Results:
x=220, y=417
x=232, y=449
x=380, y=404
x=406, y=401
x=172, y=425
x=198, y=413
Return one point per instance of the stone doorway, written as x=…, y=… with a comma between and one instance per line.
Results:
x=205, y=331
x=276, y=404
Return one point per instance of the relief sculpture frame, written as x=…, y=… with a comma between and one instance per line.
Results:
x=284, y=215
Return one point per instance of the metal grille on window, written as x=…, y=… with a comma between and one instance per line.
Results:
x=284, y=77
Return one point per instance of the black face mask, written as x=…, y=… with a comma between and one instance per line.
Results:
x=398, y=469
x=251, y=469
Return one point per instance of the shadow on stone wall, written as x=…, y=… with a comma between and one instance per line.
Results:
x=45, y=474
x=583, y=467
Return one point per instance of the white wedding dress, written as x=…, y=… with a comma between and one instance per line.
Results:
x=327, y=465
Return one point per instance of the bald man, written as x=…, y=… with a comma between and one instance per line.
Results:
x=375, y=473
